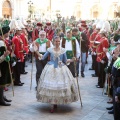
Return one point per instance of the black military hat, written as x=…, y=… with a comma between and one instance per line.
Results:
x=4, y=30
x=117, y=42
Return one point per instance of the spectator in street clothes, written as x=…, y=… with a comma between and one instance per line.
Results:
x=24, y=38
x=84, y=48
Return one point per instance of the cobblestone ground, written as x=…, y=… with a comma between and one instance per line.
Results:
x=25, y=106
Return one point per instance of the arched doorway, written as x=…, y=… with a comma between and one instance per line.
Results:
x=78, y=11
x=79, y=14
x=95, y=14
x=95, y=11
x=6, y=9
x=117, y=12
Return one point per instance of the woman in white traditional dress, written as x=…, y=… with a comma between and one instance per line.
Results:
x=56, y=84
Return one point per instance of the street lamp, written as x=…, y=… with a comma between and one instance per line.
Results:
x=30, y=3
x=58, y=18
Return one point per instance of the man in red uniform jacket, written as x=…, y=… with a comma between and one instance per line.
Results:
x=35, y=33
x=94, y=37
x=18, y=51
x=25, y=49
x=102, y=58
x=49, y=31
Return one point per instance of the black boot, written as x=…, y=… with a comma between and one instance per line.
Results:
x=7, y=99
x=82, y=74
x=110, y=108
x=2, y=101
x=111, y=111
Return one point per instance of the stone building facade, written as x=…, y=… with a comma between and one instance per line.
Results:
x=84, y=9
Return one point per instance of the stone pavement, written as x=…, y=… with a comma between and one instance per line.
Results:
x=25, y=106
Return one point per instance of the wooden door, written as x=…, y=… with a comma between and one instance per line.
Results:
x=95, y=14
x=6, y=9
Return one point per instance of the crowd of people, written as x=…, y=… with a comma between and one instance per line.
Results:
x=55, y=46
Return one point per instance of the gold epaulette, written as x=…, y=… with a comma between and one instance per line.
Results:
x=91, y=41
x=21, y=51
x=94, y=46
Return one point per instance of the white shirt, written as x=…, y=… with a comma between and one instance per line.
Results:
x=68, y=46
x=42, y=47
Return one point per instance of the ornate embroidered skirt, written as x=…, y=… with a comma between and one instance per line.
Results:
x=57, y=86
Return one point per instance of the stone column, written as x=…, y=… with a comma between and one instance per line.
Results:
x=12, y=3
x=1, y=3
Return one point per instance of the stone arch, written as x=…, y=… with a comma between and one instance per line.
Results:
x=117, y=12
x=114, y=11
x=7, y=9
x=95, y=11
x=78, y=11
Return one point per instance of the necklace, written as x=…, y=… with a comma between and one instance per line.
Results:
x=56, y=49
x=56, y=53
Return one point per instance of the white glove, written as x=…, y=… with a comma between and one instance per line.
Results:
x=108, y=55
x=19, y=60
x=39, y=58
x=116, y=99
x=68, y=62
x=25, y=53
x=31, y=48
x=102, y=61
x=104, y=49
x=41, y=55
x=113, y=55
x=94, y=53
x=13, y=64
